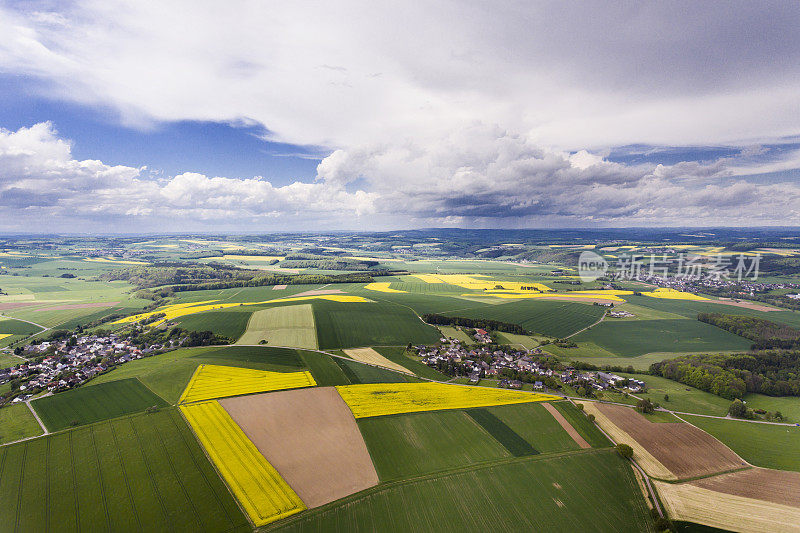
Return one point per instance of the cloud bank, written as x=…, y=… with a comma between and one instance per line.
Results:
x=449, y=113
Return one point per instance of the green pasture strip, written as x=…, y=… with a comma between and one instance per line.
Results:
x=231, y=324
x=582, y=425
x=532, y=422
x=17, y=422
x=325, y=369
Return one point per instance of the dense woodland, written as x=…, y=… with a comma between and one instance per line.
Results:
x=764, y=334
x=477, y=323
x=770, y=372
x=179, y=278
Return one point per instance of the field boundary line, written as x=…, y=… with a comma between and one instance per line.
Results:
x=20, y=485
x=137, y=378
x=587, y=327
x=150, y=476
x=36, y=416
x=100, y=477
x=125, y=476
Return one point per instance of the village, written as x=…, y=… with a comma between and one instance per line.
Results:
x=63, y=364
x=514, y=366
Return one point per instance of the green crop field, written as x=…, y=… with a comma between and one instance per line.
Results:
x=525, y=341
x=230, y=324
x=767, y=445
x=324, y=369
x=532, y=422
x=582, y=425
x=681, y=397
x=455, y=333
x=408, y=445
x=361, y=373
x=291, y=325
x=140, y=473
x=17, y=422
x=638, y=337
x=85, y=405
x=10, y=360
x=397, y=355
x=352, y=325
x=168, y=374
x=535, y=493
x=502, y=433
x=556, y=319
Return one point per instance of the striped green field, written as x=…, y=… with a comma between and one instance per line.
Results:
x=553, y=318
x=594, y=490
x=231, y=324
x=408, y=445
x=140, y=473
x=353, y=325
x=85, y=405
x=291, y=325
x=582, y=425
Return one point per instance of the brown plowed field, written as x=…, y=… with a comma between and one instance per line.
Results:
x=564, y=423
x=318, y=292
x=311, y=438
x=78, y=306
x=777, y=486
x=683, y=449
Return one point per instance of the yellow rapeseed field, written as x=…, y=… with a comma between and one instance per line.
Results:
x=4, y=335
x=178, y=310
x=473, y=282
x=217, y=381
x=380, y=287
x=260, y=489
x=672, y=294
x=392, y=398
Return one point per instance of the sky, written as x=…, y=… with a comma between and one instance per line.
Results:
x=259, y=116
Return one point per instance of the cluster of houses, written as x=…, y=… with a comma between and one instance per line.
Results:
x=479, y=362
x=57, y=365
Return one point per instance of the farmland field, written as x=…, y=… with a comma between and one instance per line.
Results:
x=638, y=337
x=311, y=439
x=360, y=373
x=371, y=357
x=398, y=355
x=371, y=324
x=681, y=397
x=502, y=433
x=578, y=420
x=556, y=319
x=763, y=445
x=537, y=493
x=291, y=325
x=139, y=473
x=261, y=491
x=215, y=381
x=325, y=370
x=229, y=324
x=85, y=405
x=12, y=330
x=403, y=446
x=17, y=422
x=532, y=422
x=168, y=374
x=395, y=398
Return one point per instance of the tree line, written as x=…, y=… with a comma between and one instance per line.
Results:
x=475, y=323
x=764, y=334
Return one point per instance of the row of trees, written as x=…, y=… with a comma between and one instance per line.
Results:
x=475, y=323
x=764, y=333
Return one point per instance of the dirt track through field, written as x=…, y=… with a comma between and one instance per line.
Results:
x=311, y=438
x=370, y=356
x=683, y=449
x=567, y=426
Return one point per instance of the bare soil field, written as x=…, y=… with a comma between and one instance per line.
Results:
x=681, y=448
x=567, y=426
x=278, y=287
x=91, y=305
x=776, y=486
x=318, y=292
x=311, y=438
x=580, y=300
x=370, y=356
x=692, y=503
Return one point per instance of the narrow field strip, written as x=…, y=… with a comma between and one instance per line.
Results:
x=380, y=399
x=261, y=491
x=381, y=287
x=580, y=441
x=370, y=356
x=216, y=381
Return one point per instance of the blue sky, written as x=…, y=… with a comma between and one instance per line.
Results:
x=159, y=116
